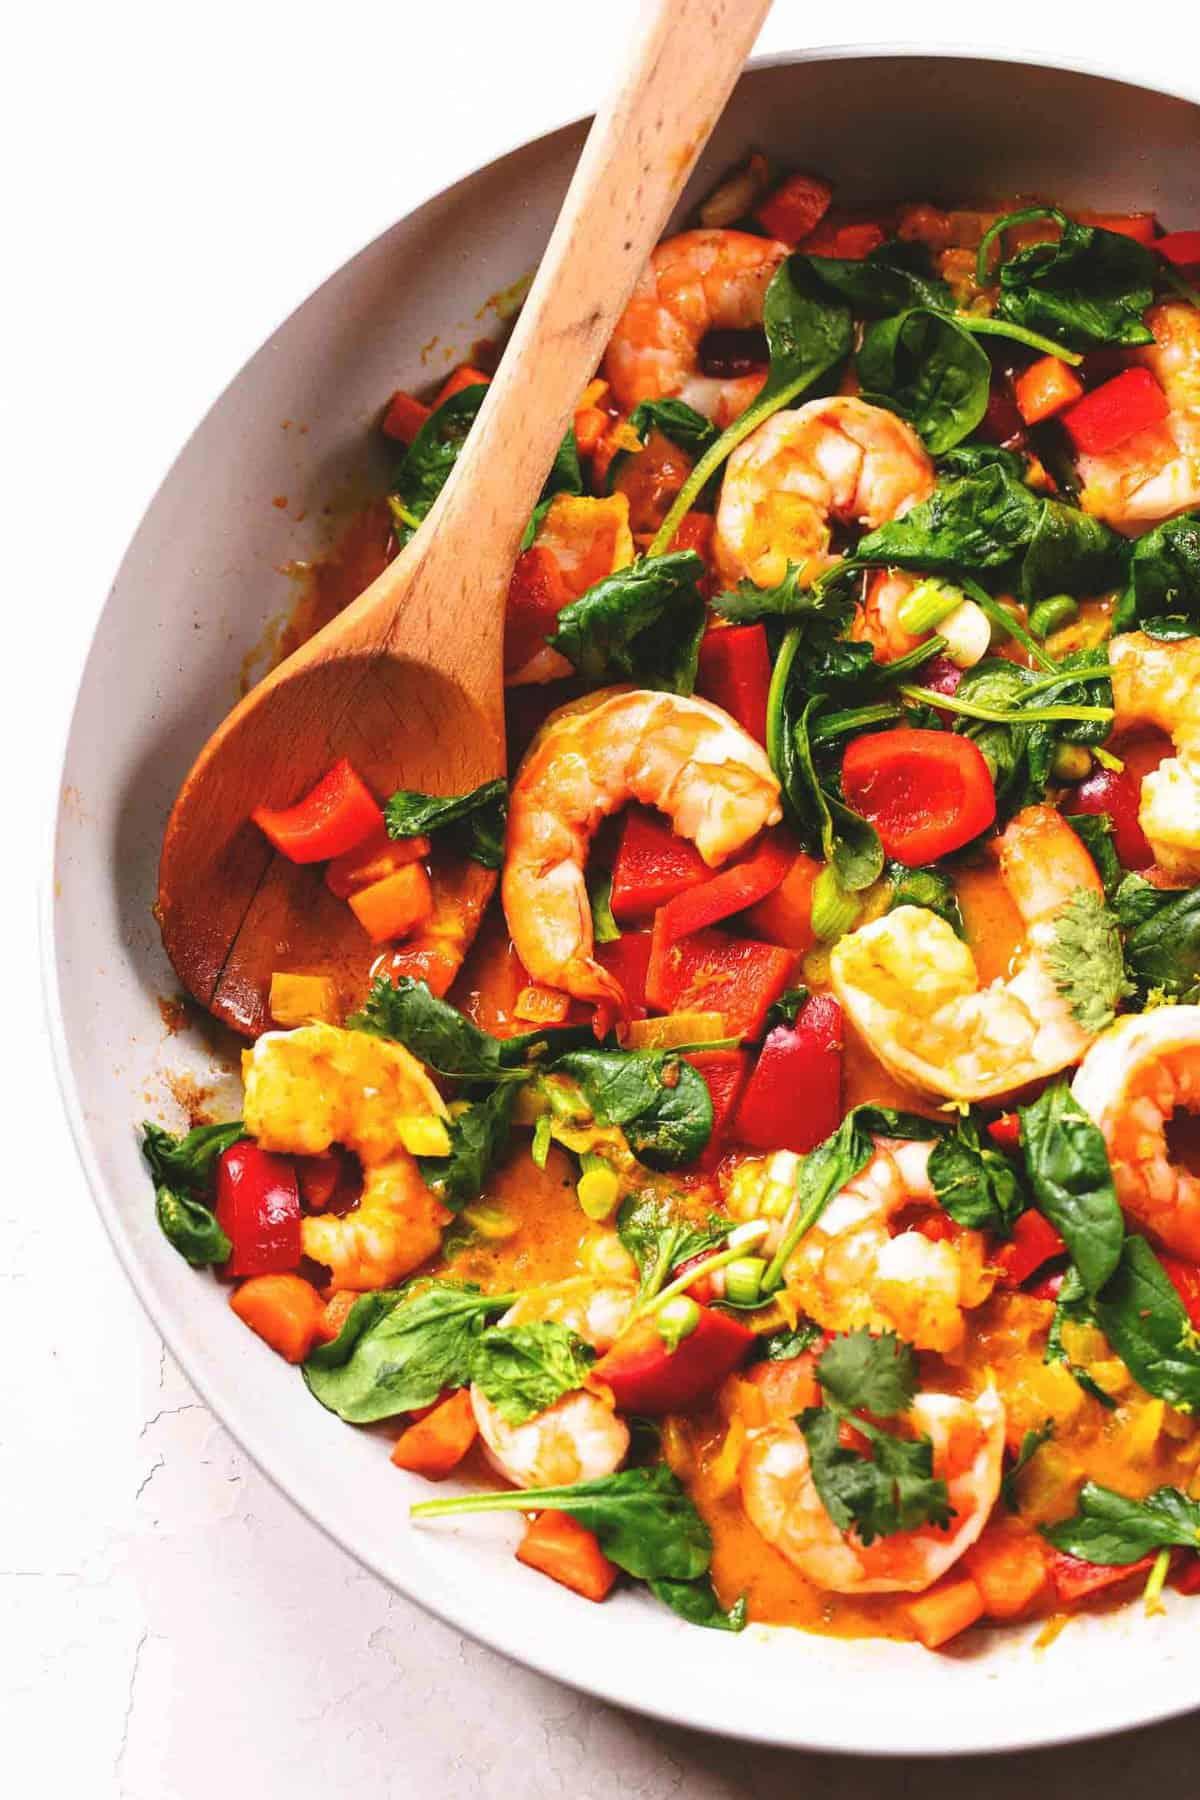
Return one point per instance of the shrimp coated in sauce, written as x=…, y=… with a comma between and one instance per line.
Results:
x=698, y=282
x=1158, y=683
x=1132, y=1081
x=834, y=460
x=684, y=756
x=911, y=988
x=317, y=1086
x=1155, y=473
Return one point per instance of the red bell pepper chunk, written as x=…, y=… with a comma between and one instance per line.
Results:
x=734, y=672
x=732, y=891
x=1034, y=1241
x=628, y=958
x=1109, y=415
x=925, y=792
x=463, y=377
x=1182, y=248
x=1138, y=226
x=1185, y=1278
x=795, y=208
x=711, y=971
x=849, y=243
x=1046, y=1287
x=1115, y=792
x=724, y=1073
x=1005, y=1132
x=793, y=1099
x=649, y=1378
x=1186, y=1578
x=537, y=594
x=652, y=865
x=335, y=816
x=1075, y=1579
x=258, y=1209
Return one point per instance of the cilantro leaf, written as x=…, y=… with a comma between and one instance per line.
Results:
x=659, y=1236
x=876, y=1374
x=1109, y=1528
x=477, y=818
x=893, y=1490
x=523, y=1369
x=478, y=1138
x=1086, y=961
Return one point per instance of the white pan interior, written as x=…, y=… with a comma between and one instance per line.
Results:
x=198, y=587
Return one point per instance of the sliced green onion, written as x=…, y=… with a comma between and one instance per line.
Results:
x=401, y=513
x=1072, y=762
x=928, y=604
x=1052, y=614
x=677, y=1320
x=542, y=1133
x=833, y=909
x=742, y=1237
x=743, y=1280
x=1010, y=626
x=605, y=929
x=1107, y=760
x=598, y=1187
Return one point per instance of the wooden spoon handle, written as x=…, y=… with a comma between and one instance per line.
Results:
x=638, y=155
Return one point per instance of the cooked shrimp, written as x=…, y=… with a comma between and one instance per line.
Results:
x=1156, y=473
x=588, y=539
x=838, y=459
x=698, y=282
x=580, y=1437
x=781, y=1500
x=1158, y=683
x=310, y=1088
x=912, y=989
x=1131, y=1082
x=850, y=1271
x=684, y=756
x=877, y=622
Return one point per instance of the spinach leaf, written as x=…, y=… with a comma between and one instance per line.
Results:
x=1088, y=289
x=643, y=1518
x=641, y=624
x=821, y=1173
x=1067, y=1164
x=1031, y=1443
x=483, y=812
x=182, y=1171
x=1162, y=944
x=523, y=1369
x=696, y=1602
x=1096, y=832
x=674, y=419
x=931, y=889
x=1164, y=574
x=661, y=1103
x=1074, y=1306
x=878, y=1374
x=1004, y=708
x=425, y=466
x=397, y=1352
x=1144, y=1320
x=889, y=280
x=846, y=840
x=478, y=1139
x=974, y=1182
x=1069, y=551
x=659, y=1236
x=1086, y=962
x=439, y=1036
x=1111, y=1529
x=924, y=366
x=566, y=476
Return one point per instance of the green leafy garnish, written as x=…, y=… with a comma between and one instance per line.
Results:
x=1088, y=289
x=1073, y=1305
x=605, y=929
x=786, y=1010
x=926, y=367
x=696, y=1602
x=931, y=889
x=659, y=1236
x=523, y=1369
x=439, y=1036
x=1086, y=961
x=1162, y=943
x=1164, y=575
x=676, y=420
x=182, y=1171
x=478, y=1139
x=641, y=624
x=1144, y=1320
x=477, y=818
x=660, y=1102
x=398, y=1351
x=1031, y=1443
x=878, y=1374
x=974, y=1182
x=1096, y=832
x=1067, y=1164
x=1111, y=1529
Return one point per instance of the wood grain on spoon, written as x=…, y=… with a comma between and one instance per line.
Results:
x=407, y=681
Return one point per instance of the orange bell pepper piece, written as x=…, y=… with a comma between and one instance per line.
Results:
x=437, y=1443
x=404, y=417
x=376, y=857
x=568, y=1552
x=944, y=1610
x=463, y=377
x=1044, y=388
x=393, y=907
x=285, y=1311
x=1010, y=1567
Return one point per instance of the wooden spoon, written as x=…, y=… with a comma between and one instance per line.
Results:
x=407, y=681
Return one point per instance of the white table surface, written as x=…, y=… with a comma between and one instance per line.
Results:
x=172, y=1628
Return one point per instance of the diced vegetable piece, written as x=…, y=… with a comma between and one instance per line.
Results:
x=372, y=860
x=332, y=818
x=732, y=891
x=785, y=916
x=541, y=1005
x=787, y=1387
x=1181, y=248
x=437, y=1443
x=404, y=417
x=849, y=243
x=648, y=1377
x=1111, y=414
x=336, y=1311
x=1075, y=1579
x=1051, y=615
x=695, y=533
x=711, y=971
x=285, y=1311
x=323, y=1178
x=258, y=1209
x=734, y=672
x=652, y=865
x=1044, y=388
x=463, y=377
x=724, y=1073
x=926, y=792
x=591, y=422
x=559, y=1546
x=1186, y=1578
x=1034, y=1241
x=1185, y=1278
x=299, y=999
x=793, y=1100
x=945, y=1610
x=1005, y=1132
x=395, y=906
x=1138, y=226
x=1010, y=1566
x=628, y=959
x=675, y=1030
x=795, y=208
x=537, y=594
x=1116, y=793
